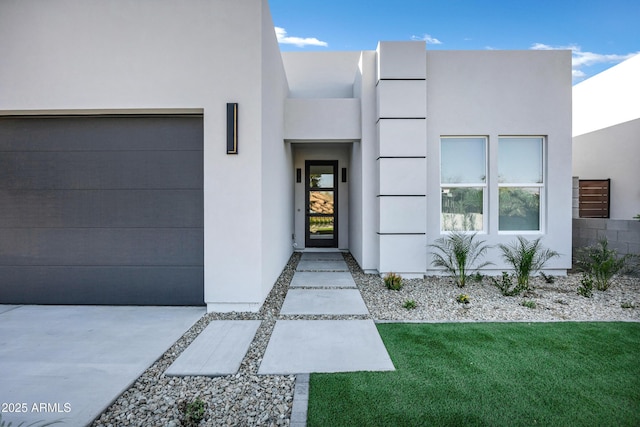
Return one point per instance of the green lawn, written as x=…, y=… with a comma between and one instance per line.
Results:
x=491, y=374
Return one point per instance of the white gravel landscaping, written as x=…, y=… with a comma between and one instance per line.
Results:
x=435, y=299
x=246, y=399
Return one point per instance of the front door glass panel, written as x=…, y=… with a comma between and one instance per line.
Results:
x=321, y=202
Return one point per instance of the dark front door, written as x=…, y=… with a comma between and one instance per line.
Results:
x=321, y=200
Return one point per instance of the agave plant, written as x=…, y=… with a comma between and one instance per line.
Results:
x=527, y=258
x=458, y=253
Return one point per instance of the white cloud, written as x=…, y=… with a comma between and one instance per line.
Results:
x=283, y=38
x=427, y=38
x=581, y=59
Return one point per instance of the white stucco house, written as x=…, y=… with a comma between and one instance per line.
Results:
x=167, y=152
x=606, y=134
x=606, y=151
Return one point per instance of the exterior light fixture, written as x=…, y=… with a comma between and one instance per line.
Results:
x=232, y=128
x=344, y=174
x=298, y=175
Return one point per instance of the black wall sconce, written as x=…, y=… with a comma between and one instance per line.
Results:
x=298, y=175
x=232, y=128
x=344, y=174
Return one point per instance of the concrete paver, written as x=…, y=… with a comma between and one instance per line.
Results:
x=316, y=265
x=300, y=401
x=6, y=307
x=77, y=359
x=306, y=346
x=218, y=350
x=323, y=279
x=324, y=301
x=322, y=256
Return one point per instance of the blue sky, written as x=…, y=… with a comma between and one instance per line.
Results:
x=601, y=33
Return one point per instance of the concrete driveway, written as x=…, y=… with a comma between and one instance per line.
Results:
x=70, y=362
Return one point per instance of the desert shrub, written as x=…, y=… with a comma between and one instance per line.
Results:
x=477, y=277
x=410, y=304
x=393, y=281
x=586, y=286
x=505, y=285
x=627, y=304
x=193, y=413
x=458, y=254
x=526, y=257
x=528, y=303
x=463, y=299
x=548, y=278
x=602, y=263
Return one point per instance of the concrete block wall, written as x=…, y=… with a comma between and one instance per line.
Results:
x=622, y=235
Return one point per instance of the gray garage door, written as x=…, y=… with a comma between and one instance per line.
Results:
x=101, y=210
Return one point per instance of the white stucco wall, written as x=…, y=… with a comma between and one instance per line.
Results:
x=364, y=241
x=608, y=98
x=277, y=158
x=401, y=104
x=495, y=93
x=606, y=125
x=612, y=152
x=87, y=56
x=322, y=119
x=320, y=74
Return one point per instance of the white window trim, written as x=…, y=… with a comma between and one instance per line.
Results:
x=484, y=186
x=542, y=185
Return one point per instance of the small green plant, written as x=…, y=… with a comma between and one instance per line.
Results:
x=463, y=299
x=458, y=254
x=602, y=263
x=547, y=277
x=477, y=277
x=410, y=304
x=528, y=303
x=637, y=217
x=505, y=285
x=586, y=286
x=193, y=413
x=393, y=281
x=526, y=257
x=627, y=304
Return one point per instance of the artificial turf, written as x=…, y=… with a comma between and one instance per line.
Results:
x=490, y=374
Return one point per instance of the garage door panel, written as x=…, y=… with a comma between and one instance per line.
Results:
x=101, y=170
x=101, y=246
x=100, y=133
x=101, y=210
x=102, y=285
x=106, y=208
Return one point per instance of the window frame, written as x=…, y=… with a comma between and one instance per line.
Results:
x=484, y=186
x=541, y=186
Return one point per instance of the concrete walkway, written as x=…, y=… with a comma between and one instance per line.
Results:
x=321, y=294
x=69, y=363
x=327, y=344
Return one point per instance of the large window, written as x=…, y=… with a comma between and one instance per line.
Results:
x=520, y=183
x=463, y=182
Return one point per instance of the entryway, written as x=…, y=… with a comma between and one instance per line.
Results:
x=321, y=195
